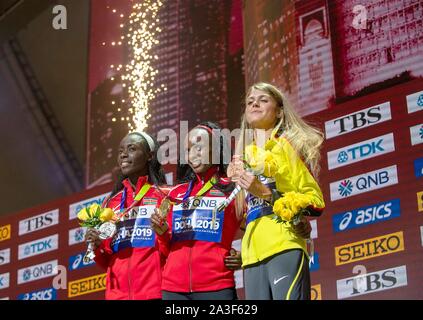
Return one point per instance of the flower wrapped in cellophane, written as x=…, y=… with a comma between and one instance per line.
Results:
x=94, y=215
x=260, y=161
x=291, y=207
x=101, y=219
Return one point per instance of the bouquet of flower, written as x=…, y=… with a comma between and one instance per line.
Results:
x=99, y=218
x=291, y=207
x=94, y=215
x=260, y=161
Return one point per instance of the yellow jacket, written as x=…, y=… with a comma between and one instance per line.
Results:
x=264, y=236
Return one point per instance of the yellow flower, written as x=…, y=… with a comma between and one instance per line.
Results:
x=83, y=214
x=94, y=209
x=106, y=214
x=290, y=205
x=260, y=161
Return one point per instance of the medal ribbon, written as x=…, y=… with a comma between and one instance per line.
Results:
x=209, y=184
x=143, y=191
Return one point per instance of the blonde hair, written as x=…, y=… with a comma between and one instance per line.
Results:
x=304, y=138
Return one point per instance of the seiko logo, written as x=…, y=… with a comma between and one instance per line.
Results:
x=361, y=151
x=358, y=120
x=87, y=285
x=5, y=232
x=366, y=215
x=363, y=183
x=420, y=201
x=39, y=222
x=369, y=248
x=372, y=282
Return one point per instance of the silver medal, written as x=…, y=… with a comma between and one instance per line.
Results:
x=107, y=230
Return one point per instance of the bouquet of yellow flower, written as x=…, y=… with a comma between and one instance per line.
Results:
x=260, y=161
x=99, y=218
x=291, y=207
x=94, y=215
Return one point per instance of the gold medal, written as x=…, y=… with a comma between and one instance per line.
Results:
x=165, y=207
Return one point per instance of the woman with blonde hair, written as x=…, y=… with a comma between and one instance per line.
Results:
x=281, y=152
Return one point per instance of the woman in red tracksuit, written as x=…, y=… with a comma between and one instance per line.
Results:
x=134, y=257
x=200, y=265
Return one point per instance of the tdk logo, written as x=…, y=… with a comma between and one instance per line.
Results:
x=39, y=246
x=366, y=215
x=415, y=102
x=372, y=282
x=74, y=208
x=363, y=183
x=39, y=222
x=361, y=151
x=358, y=120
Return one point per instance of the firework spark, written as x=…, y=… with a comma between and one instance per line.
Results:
x=139, y=73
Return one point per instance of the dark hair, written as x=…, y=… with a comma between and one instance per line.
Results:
x=184, y=172
x=155, y=171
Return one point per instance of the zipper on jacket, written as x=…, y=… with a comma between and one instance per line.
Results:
x=190, y=270
x=129, y=278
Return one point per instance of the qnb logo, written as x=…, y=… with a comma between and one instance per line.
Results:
x=372, y=282
x=363, y=183
x=4, y=280
x=79, y=235
x=36, y=272
x=416, y=134
x=420, y=101
x=345, y=188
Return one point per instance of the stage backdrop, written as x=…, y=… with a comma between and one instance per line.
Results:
x=352, y=70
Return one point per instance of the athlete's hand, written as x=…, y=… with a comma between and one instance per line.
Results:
x=158, y=223
x=233, y=261
x=303, y=228
x=93, y=235
x=235, y=168
x=249, y=182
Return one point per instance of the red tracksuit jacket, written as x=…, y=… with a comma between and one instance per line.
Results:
x=196, y=259
x=134, y=257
